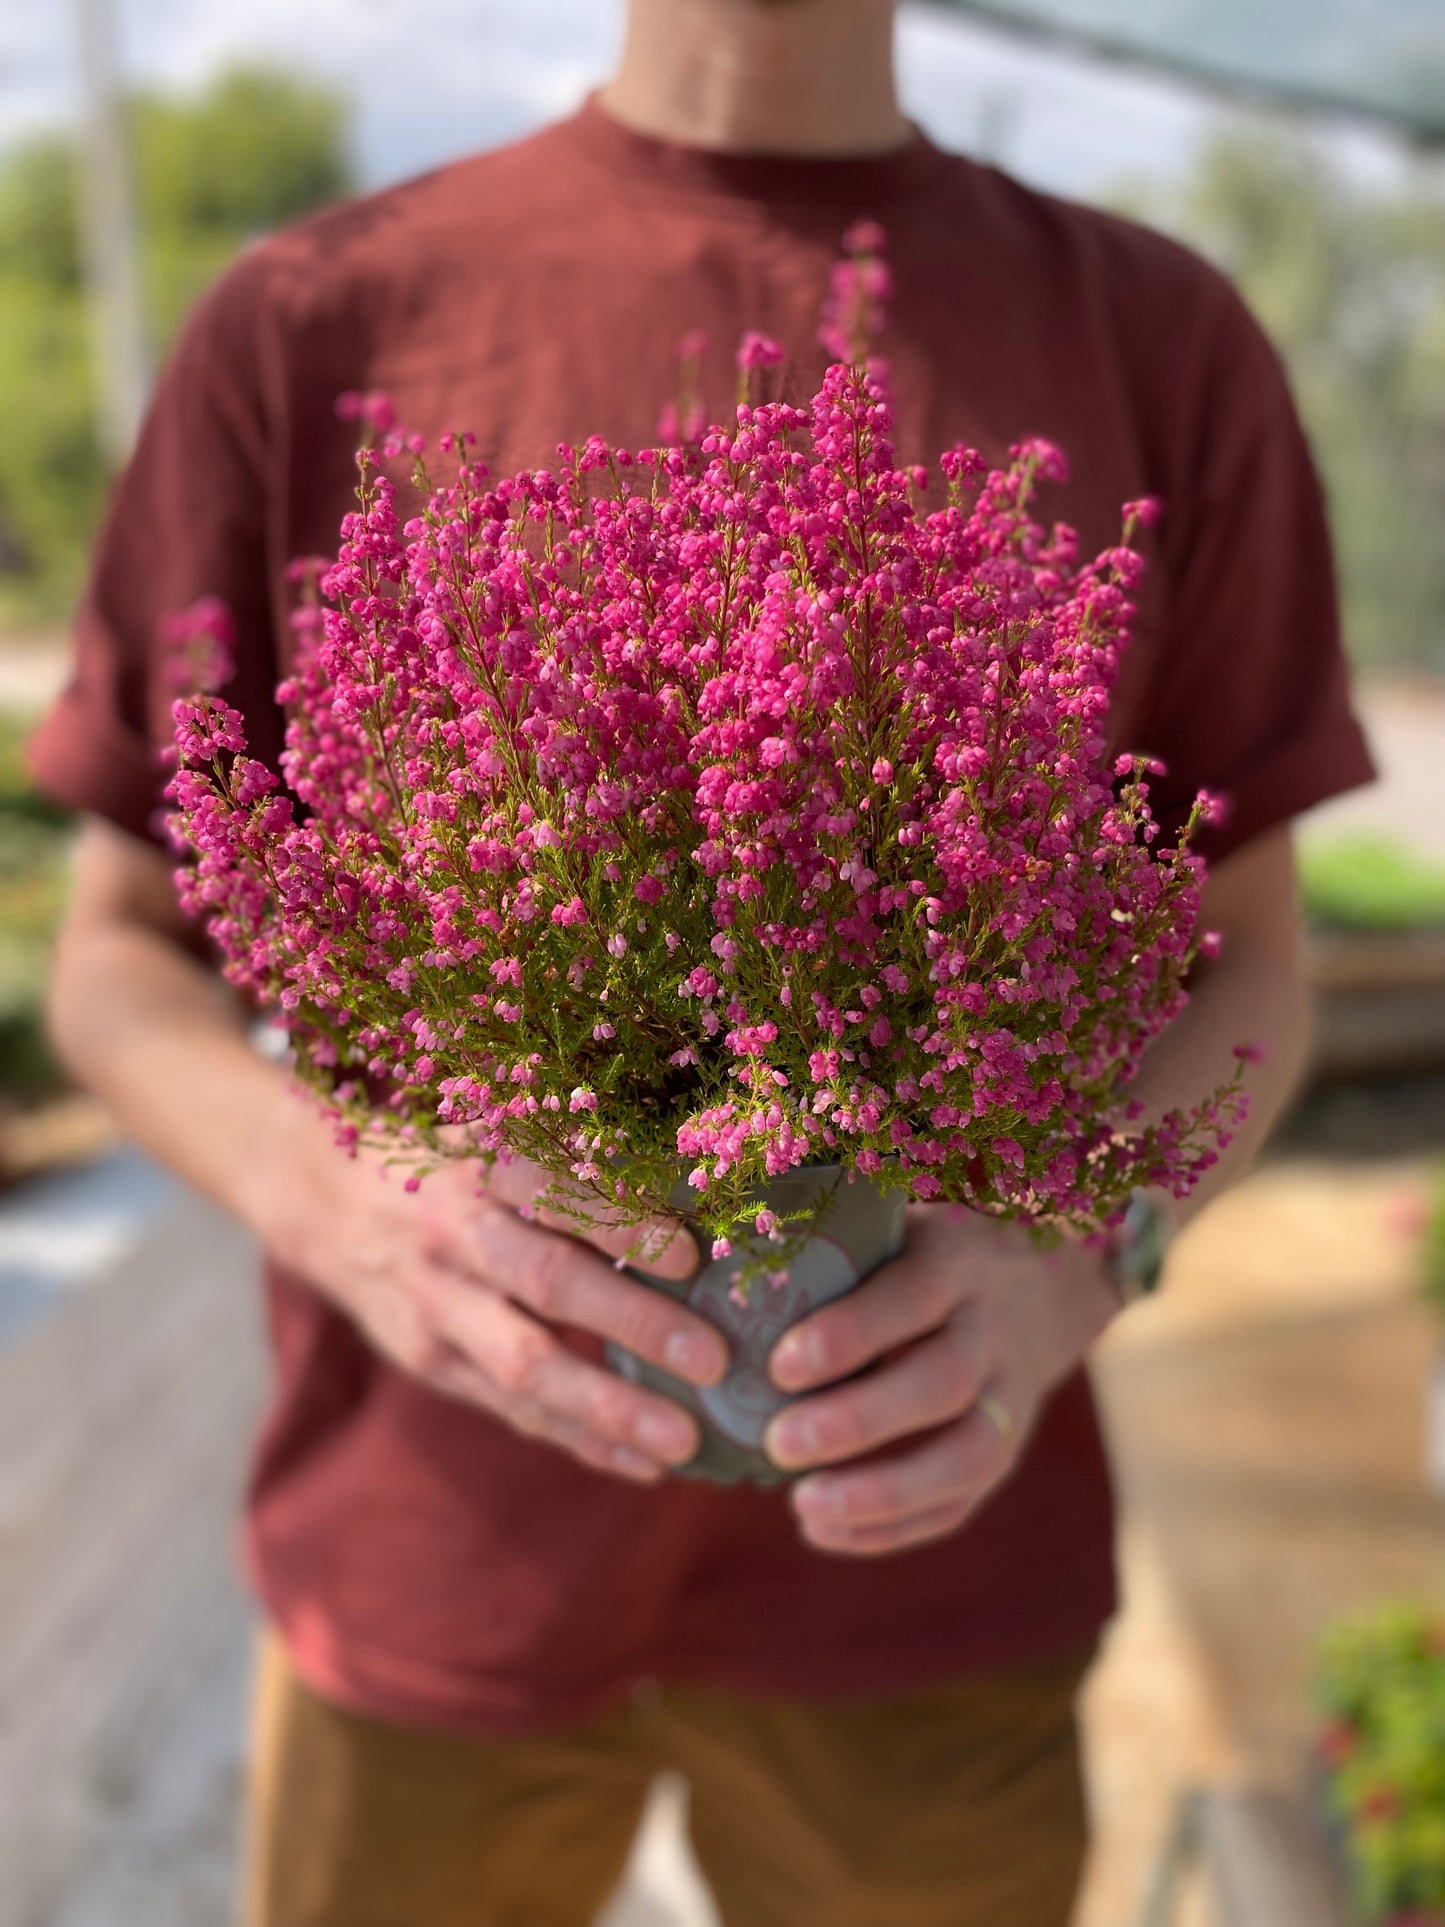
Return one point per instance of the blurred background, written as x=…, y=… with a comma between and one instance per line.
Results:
x=1267, y=1722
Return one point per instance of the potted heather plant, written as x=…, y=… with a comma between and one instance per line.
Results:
x=728, y=828
x=1380, y=1687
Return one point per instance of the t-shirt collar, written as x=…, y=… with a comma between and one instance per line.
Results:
x=857, y=181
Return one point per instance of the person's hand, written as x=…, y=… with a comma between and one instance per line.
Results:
x=965, y=1335
x=457, y=1288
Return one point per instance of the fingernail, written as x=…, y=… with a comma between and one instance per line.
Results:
x=791, y=1439
x=797, y=1360
x=671, y=1436
x=679, y=1258
x=695, y=1357
x=635, y=1465
x=818, y=1498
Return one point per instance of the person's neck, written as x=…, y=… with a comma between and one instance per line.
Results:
x=760, y=76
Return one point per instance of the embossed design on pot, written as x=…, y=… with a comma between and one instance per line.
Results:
x=862, y=1226
x=741, y=1405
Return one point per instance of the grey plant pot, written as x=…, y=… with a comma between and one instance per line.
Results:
x=862, y=1229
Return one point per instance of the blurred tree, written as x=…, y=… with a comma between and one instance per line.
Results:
x=1351, y=286
x=258, y=149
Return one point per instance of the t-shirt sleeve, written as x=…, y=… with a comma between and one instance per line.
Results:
x=1250, y=691
x=187, y=519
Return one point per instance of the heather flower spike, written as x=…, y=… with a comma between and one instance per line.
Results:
x=682, y=420
x=200, y=647
x=860, y=287
x=696, y=814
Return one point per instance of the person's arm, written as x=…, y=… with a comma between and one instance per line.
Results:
x=451, y=1285
x=976, y=1324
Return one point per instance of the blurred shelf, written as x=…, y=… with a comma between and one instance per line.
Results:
x=1379, y=1001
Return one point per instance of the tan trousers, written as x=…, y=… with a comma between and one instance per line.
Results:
x=956, y=1807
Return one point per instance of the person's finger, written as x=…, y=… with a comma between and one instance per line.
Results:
x=932, y=1382
x=409, y=1332
x=956, y=1467
x=875, y=1542
x=903, y=1300
x=456, y=1377
x=663, y=1245
x=564, y=1283
x=537, y=1376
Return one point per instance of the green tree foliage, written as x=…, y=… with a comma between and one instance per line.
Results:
x=1351, y=286
x=257, y=150
x=34, y=841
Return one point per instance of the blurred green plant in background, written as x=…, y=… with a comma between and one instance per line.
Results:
x=1432, y=1243
x=1380, y=1687
x=1351, y=287
x=1370, y=881
x=34, y=852
x=256, y=150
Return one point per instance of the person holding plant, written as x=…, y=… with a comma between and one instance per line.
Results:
x=494, y=1614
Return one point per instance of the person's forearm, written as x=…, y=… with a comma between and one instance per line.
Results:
x=163, y=1042
x=1245, y=999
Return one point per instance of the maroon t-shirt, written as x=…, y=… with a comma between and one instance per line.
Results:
x=426, y=1564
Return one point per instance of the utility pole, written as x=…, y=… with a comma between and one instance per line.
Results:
x=108, y=239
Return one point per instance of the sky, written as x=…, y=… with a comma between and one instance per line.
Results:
x=430, y=79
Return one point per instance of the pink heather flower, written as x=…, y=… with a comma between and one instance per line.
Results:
x=722, y=1248
x=858, y=293
x=375, y=408
x=200, y=645
x=758, y=351
x=917, y=919
x=681, y=420
x=864, y=237
x=1143, y=513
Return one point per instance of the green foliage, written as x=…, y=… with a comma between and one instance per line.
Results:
x=1352, y=289
x=51, y=481
x=1380, y=1686
x=1371, y=882
x=37, y=215
x=257, y=150
x=1432, y=1243
x=34, y=846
